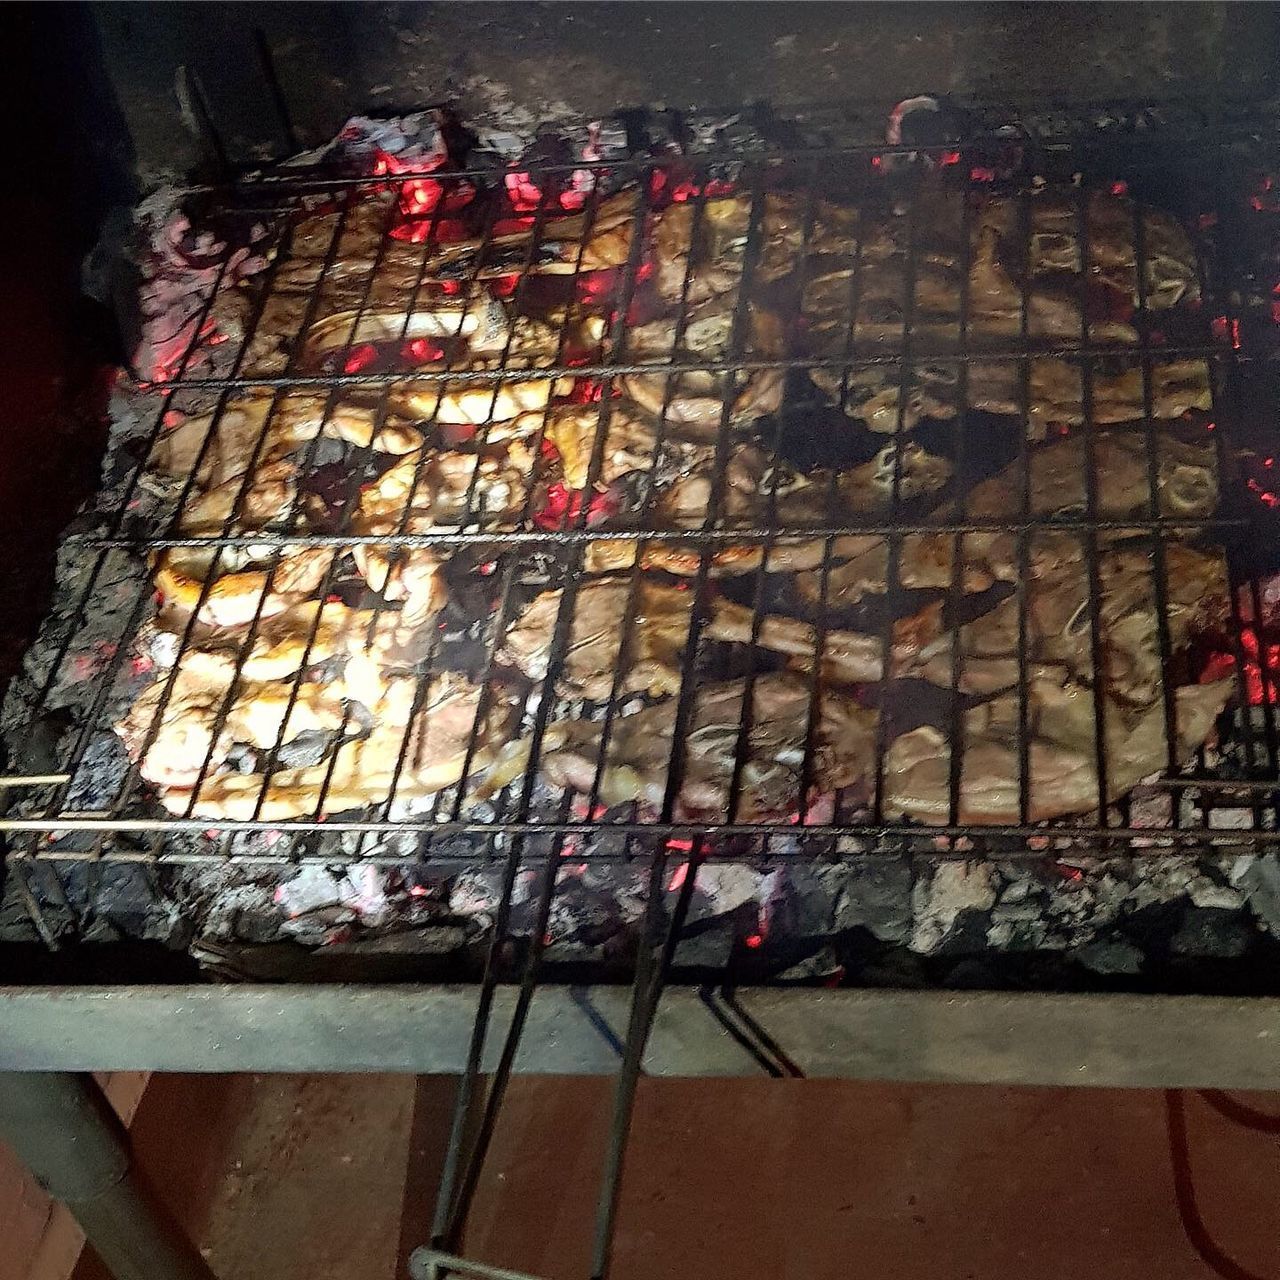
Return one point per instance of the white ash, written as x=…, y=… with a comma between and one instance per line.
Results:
x=940, y=897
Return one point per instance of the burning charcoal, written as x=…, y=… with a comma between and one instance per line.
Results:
x=876, y=895
x=330, y=494
x=942, y=894
x=1260, y=879
x=307, y=748
x=722, y=888
x=710, y=944
x=1207, y=892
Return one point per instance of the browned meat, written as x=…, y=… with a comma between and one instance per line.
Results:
x=1054, y=397
x=590, y=241
x=640, y=748
x=874, y=394
x=1059, y=629
x=847, y=656
x=1172, y=275
x=713, y=234
x=418, y=745
x=1056, y=394
x=695, y=399
x=760, y=493
x=1062, y=758
x=485, y=485
x=1186, y=477
x=631, y=445
x=658, y=637
x=860, y=566
x=867, y=299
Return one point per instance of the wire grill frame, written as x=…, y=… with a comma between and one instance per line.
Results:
x=574, y=536
x=512, y=843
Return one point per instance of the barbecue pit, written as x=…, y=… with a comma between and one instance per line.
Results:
x=879, y=514
x=422, y=591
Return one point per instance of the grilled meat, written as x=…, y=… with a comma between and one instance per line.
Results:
x=1110, y=226
x=1058, y=621
x=875, y=394
x=235, y=599
x=593, y=240
x=700, y=245
x=1061, y=753
x=634, y=445
x=761, y=493
x=1187, y=485
x=652, y=647
x=418, y=746
x=848, y=657
x=479, y=486
x=170, y=728
x=654, y=643
x=699, y=400
x=641, y=745
x=1056, y=396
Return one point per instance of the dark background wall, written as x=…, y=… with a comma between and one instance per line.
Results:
x=336, y=59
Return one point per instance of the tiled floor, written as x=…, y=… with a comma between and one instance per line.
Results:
x=299, y=1178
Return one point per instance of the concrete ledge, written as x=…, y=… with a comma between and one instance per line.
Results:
x=991, y=1037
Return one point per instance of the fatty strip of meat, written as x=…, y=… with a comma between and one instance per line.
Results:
x=641, y=745
x=1062, y=758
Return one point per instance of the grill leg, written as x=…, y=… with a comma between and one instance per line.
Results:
x=63, y=1129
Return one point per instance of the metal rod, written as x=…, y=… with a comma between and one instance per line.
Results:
x=267, y=62
x=64, y=1130
x=742, y=364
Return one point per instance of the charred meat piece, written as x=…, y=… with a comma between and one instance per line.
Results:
x=848, y=657
x=761, y=493
x=1057, y=485
x=1110, y=223
x=1056, y=395
x=170, y=728
x=1186, y=478
x=652, y=647
x=483, y=485
x=641, y=746
x=875, y=394
x=419, y=744
x=700, y=245
x=633, y=443
x=1061, y=753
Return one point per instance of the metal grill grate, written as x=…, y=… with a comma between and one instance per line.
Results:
x=528, y=824
x=397, y=272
